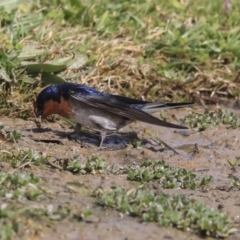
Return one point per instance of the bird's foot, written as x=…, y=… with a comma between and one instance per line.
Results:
x=101, y=148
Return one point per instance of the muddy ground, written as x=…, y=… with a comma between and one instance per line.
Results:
x=205, y=153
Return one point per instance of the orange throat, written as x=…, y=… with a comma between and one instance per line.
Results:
x=61, y=108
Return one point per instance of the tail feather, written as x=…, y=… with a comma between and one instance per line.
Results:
x=154, y=107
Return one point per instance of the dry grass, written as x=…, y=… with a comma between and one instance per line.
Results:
x=174, y=51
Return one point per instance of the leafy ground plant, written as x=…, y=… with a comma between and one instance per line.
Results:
x=19, y=185
x=14, y=218
x=93, y=165
x=9, y=224
x=12, y=136
x=176, y=211
x=170, y=177
x=18, y=158
x=212, y=118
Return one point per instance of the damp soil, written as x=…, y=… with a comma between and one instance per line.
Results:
x=205, y=153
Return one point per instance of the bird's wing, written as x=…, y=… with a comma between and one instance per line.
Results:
x=112, y=104
x=150, y=107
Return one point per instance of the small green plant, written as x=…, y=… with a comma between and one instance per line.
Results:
x=93, y=165
x=53, y=213
x=176, y=211
x=233, y=164
x=18, y=158
x=14, y=218
x=235, y=182
x=170, y=177
x=137, y=143
x=212, y=118
x=19, y=185
x=14, y=136
x=9, y=225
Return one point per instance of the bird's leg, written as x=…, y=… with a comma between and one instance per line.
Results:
x=78, y=128
x=103, y=136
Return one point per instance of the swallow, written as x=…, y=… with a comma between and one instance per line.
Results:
x=98, y=110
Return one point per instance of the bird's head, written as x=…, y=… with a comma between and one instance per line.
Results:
x=51, y=101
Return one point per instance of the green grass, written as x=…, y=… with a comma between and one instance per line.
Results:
x=165, y=50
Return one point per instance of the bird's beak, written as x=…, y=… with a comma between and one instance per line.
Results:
x=38, y=115
x=36, y=111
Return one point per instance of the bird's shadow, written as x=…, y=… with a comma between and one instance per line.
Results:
x=88, y=138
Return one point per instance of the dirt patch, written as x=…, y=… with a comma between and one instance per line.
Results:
x=205, y=153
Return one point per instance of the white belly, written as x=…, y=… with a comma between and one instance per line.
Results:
x=93, y=117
